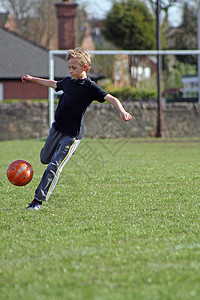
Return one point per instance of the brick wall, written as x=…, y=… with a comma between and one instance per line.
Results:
x=14, y=89
x=30, y=120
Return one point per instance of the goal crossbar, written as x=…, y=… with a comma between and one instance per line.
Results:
x=133, y=52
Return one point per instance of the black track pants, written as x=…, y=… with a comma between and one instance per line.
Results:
x=56, y=152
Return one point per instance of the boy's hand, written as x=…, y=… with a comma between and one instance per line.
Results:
x=114, y=101
x=125, y=115
x=26, y=78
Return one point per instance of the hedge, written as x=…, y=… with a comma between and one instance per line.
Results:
x=130, y=93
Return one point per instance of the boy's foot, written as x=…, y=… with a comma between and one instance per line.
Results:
x=35, y=205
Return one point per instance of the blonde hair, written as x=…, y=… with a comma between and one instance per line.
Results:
x=82, y=56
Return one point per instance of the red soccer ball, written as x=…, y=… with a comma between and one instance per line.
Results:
x=20, y=172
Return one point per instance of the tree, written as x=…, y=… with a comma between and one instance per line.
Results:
x=130, y=25
x=35, y=19
x=185, y=36
x=43, y=26
x=21, y=10
x=165, y=5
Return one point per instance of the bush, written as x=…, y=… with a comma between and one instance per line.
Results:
x=129, y=93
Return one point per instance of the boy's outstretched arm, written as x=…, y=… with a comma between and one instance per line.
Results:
x=114, y=101
x=41, y=81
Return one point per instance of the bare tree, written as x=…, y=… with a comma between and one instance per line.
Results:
x=36, y=19
x=43, y=27
x=21, y=10
x=165, y=5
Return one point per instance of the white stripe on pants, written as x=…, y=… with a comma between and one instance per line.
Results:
x=65, y=147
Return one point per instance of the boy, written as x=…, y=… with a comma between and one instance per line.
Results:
x=67, y=131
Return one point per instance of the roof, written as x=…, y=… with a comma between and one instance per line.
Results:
x=190, y=76
x=19, y=56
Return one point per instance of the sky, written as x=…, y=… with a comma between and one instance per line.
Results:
x=99, y=9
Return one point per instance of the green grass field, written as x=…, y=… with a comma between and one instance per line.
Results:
x=123, y=223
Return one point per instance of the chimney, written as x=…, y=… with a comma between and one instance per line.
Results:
x=66, y=12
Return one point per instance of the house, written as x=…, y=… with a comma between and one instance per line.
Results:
x=189, y=92
x=87, y=42
x=190, y=86
x=19, y=57
x=142, y=68
x=121, y=70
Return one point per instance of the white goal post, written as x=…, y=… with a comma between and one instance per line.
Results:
x=113, y=52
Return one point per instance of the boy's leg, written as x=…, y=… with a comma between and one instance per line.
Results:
x=50, y=177
x=51, y=145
